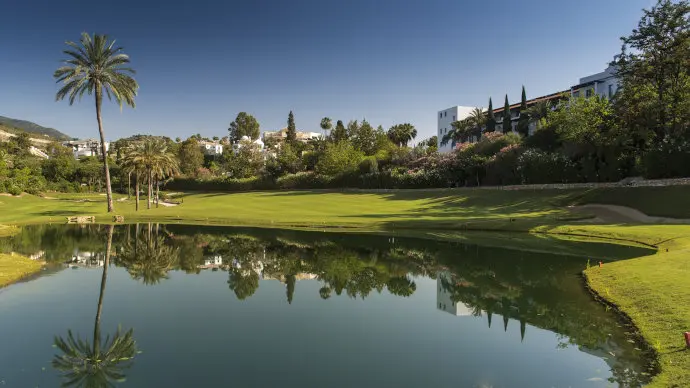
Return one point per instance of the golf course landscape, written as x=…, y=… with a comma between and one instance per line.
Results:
x=652, y=291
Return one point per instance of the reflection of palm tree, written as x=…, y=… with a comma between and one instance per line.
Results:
x=103, y=362
x=149, y=259
x=290, y=287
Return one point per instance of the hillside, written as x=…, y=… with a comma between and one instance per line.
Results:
x=14, y=125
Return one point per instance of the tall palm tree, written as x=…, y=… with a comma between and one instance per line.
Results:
x=95, y=66
x=132, y=166
x=102, y=362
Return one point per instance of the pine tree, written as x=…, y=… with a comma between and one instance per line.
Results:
x=523, y=123
x=490, y=119
x=339, y=133
x=507, y=120
x=291, y=130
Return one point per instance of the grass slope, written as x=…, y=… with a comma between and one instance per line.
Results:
x=654, y=292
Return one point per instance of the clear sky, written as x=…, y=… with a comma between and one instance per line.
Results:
x=201, y=62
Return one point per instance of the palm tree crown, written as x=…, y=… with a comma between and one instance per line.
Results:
x=94, y=66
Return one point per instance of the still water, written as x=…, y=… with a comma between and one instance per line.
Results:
x=178, y=306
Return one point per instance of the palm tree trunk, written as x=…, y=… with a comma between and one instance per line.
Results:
x=106, y=264
x=148, y=202
x=129, y=185
x=136, y=189
x=158, y=189
x=108, y=190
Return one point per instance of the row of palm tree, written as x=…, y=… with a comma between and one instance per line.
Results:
x=149, y=160
x=474, y=124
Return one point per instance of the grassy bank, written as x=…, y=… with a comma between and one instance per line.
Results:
x=652, y=290
x=15, y=267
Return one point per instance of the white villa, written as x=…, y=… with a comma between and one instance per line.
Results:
x=211, y=147
x=87, y=147
x=281, y=135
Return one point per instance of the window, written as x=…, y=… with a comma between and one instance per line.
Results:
x=440, y=115
x=454, y=116
x=445, y=114
x=610, y=90
x=589, y=92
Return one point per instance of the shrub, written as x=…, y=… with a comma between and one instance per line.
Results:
x=338, y=158
x=670, y=158
x=502, y=168
x=369, y=166
x=537, y=167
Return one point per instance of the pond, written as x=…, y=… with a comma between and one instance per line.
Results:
x=153, y=305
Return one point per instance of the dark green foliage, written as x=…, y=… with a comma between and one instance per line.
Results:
x=668, y=159
x=507, y=120
x=339, y=133
x=537, y=167
x=401, y=134
x=244, y=125
x=523, y=122
x=338, y=158
x=490, y=118
x=190, y=156
x=653, y=66
x=291, y=134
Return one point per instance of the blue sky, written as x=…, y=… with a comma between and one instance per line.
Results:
x=199, y=62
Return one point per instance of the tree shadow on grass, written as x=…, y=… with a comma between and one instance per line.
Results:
x=58, y=213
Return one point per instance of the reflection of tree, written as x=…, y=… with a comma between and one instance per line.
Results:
x=148, y=258
x=102, y=362
x=243, y=283
x=401, y=286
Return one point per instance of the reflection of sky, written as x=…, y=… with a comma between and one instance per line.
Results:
x=195, y=325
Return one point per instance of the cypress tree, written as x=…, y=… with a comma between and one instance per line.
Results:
x=507, y=126
x=523, y=123
x=490, y=119
x=291, y=129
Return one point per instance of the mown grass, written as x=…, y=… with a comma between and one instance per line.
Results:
x=654, y=292
x=14, y=267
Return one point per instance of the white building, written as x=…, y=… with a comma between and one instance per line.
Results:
x=604, y=84
x=257, y=144
x=444, y=301
x=445, y=118
x=281, y=135
x=211, y=147
x=87, y=147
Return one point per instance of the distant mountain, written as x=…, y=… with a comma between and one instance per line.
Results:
x=28, y=126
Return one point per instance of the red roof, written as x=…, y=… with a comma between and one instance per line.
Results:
x=549, y=97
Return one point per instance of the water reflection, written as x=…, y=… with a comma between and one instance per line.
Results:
x=102, y=362
x=530, y=289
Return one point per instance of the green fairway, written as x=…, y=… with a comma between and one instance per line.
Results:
x=308, y=208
